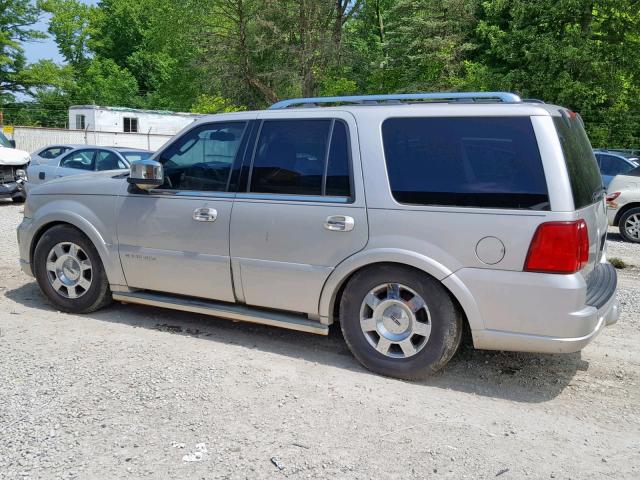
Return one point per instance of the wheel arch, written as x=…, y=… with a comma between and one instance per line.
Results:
x=339, y=278
x=623, y=210
x=113, y=271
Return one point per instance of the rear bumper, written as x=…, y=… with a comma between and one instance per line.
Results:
x=520, y=342
x=533, y=312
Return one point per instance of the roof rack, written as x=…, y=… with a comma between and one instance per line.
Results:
x=504, y=97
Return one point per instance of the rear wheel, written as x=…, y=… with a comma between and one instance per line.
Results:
x=20, y=199
x=69, y=271
x=399, y=322
x=630, y=225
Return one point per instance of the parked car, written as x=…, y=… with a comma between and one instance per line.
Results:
x=13, y=164
x=81, y=159
x=623, y=201
x=407, y=222
x=51, y=152
x=614, y=163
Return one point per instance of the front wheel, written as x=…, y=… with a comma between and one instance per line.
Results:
x=630, y=225
x=399, y=322
x=69, y=271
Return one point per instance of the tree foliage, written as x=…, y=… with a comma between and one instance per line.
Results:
x=222, y=55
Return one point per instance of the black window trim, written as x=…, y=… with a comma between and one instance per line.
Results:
x=79, y=150
x=230, y=191
x=245, y=193
x=463, y=208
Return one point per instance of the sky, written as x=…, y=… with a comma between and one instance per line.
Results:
x=46, y=48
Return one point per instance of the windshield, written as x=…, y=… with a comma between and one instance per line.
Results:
x=133, y=157
x=4, y=141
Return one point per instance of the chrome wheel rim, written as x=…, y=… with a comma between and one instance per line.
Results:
x=632, y=226
x=395, y=320
x=69, y=270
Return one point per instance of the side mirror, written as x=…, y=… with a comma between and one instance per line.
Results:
x=12, y=143
x=146, y=174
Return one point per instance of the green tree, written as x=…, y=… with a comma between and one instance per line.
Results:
x=16, y=18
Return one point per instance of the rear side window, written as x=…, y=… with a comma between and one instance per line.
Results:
x=490, y=162
x=585, y=178
x=302, y=157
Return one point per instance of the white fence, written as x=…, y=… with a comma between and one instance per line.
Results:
x=33, y=138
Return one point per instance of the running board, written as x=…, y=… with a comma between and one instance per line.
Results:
x=225, y=310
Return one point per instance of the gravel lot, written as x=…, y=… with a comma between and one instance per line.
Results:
x=139, y=392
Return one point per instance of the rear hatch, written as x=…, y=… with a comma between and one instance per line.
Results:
x=586, y=183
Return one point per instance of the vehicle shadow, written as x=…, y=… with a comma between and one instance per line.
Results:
x=521, y=377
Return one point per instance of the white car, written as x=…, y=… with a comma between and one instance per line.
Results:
x=13, y=164
x=51, y=152
x=623, y=201
x=81, y=159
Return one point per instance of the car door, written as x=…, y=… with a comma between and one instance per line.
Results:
x=300, y=211
x=175, y=238
x=75, y=162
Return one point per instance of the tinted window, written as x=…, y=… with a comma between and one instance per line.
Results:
x=106, y=160
x=81, y=160
x=490, y=162
x=584, y=175
x=338, y=182
x=612, y=165
x=295, y=157
x=202, y=158
x=136, y=156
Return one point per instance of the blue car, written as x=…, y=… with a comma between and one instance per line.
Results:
x=614, y=163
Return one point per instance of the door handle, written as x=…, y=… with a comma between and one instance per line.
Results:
x=205, y=214
x=339, y=223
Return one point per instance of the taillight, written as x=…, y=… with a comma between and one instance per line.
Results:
x=611, y=199
x=559, y=247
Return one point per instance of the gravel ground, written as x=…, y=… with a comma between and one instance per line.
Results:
x=139, y=392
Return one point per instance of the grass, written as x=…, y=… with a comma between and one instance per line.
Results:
x=618, y=263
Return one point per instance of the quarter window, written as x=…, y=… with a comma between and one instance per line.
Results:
x=202, y=159
x=81, y=160
x=130, y=125
x=53, y=152
x=490, y=162
x=301, y=157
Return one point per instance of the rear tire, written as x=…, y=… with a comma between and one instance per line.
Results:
x=69, y=271
x=629, y=225
x=18, y=199
x=400, y=322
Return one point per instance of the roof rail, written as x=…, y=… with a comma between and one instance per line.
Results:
x=504, y=97
x=532, y=100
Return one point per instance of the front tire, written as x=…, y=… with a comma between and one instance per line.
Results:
x=399, y=322
x=629, y=225
x=69, y=271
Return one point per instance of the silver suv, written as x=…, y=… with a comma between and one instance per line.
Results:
x=407, y=218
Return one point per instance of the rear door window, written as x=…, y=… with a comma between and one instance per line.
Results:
x=584, y=175
x=490, y=162
x=302, y=157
